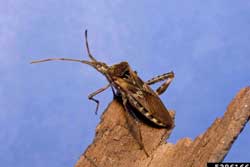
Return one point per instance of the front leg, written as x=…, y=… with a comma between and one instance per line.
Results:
x=91, y=96
x=167, y=76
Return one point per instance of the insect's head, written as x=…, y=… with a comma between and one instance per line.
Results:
x=99, y=66
x=119, y=70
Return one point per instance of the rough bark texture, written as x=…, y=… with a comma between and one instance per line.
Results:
x=114, y=146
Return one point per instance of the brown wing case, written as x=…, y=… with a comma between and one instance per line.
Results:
x=147, y=98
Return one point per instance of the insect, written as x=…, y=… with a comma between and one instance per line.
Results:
x=131, y=88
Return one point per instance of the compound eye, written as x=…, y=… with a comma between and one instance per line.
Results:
x=126, y=74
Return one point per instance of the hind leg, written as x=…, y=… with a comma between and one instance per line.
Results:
x=167, y=76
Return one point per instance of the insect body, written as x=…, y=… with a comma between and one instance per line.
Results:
x=126, y=83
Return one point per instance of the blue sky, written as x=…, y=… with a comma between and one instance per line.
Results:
x=46, y=118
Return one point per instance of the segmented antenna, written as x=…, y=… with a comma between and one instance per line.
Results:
x=87, y=46
x=61, y=59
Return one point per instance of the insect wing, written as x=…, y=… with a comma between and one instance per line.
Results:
x=143, y=98
x=155, y=107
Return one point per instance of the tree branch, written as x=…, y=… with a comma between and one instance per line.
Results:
x=115, y=146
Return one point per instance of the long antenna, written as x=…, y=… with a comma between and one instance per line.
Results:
x=68, y=59
x=87, y=46
x=61, y=59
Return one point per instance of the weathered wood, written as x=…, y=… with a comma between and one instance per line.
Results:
x=114, y=146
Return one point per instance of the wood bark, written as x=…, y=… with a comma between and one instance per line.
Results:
x=114, y=146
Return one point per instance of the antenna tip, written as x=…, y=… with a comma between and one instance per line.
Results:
x=86, y=32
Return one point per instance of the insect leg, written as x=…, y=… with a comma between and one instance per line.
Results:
x=91, y=96
x=114, y=94
x=167, y=76
x=160, y=78
x=133, y=125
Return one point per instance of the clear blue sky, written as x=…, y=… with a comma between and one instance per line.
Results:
x=46, y=118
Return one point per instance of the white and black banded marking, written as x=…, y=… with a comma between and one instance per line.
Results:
x=160, y=78
x=167, y=76
x=143, y=111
